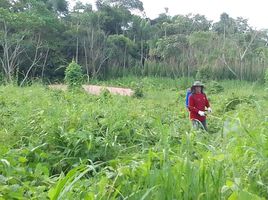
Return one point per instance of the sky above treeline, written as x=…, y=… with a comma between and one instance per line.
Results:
x=255, y=11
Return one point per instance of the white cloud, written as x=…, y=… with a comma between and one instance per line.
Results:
x=254, y=11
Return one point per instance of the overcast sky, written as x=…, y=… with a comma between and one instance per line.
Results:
x=255, y=11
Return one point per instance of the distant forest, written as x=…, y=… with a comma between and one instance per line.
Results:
x=39, y=38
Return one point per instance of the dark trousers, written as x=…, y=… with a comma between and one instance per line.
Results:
x=199, y=124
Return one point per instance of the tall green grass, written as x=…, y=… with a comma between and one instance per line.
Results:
x=73, y=145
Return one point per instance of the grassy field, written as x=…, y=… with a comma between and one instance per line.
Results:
x=73, y=145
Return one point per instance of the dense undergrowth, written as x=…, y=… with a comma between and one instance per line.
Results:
x=73, y=145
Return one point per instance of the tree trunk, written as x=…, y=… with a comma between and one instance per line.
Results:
x=37, y=58
x=92, y=54
x=44, y=64
x=77, y=44
x=242, y=55
x=86, y=60
x=124, y=59
x=141, y=58
x=9, y=60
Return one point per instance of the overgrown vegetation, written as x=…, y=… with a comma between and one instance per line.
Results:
x=138, y=90
x=66, y=145
x=73, y=75
x=214, y=87
x=73, y=145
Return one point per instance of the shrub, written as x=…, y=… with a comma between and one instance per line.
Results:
x=73, y=75
x=105, y=94
x=138, y=91
x=215, y=87
x=204, y=73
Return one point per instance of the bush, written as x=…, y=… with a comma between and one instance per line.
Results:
x=234, y=101
x=204, y=73
x=73, y=75
x=138, y=91
x=215, y=87
x=105, y=94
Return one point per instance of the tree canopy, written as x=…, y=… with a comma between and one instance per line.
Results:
x=38, y=38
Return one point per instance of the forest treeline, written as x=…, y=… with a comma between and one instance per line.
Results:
x=39, y=38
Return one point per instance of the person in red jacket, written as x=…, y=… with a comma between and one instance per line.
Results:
x=198, y=103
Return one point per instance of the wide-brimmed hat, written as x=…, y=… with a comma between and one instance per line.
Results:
x=198, y=83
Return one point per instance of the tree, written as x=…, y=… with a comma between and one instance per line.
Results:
x=26, y=32
x=200, y=23
x=94, y=45
x=126, y=4
x=171, y=50
x=12, y=42
x=113, y=20
x=5, y=4
x=140, y=33
x=226, y=25
x=58, y=6
x=80, y=7
x=119, y=48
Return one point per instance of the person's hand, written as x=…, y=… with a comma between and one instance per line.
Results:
x=201, y=113
x=209, y=110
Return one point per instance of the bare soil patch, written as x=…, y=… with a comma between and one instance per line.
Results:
x=95, y=89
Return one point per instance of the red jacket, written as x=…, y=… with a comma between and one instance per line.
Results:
x=197, y=102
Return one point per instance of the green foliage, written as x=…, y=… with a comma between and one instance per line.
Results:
x=138, y=90
x=215, y=87
x=66, y=145
x=201, y=39
x=105, y=94
x=65, y=184
x=234, y=101
x=204, y=73
x=266, y=76
x=127, y=4
x=118, y=46
x=170, y=47
x=73, y=75
x=185, y=82
x=111, y=42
